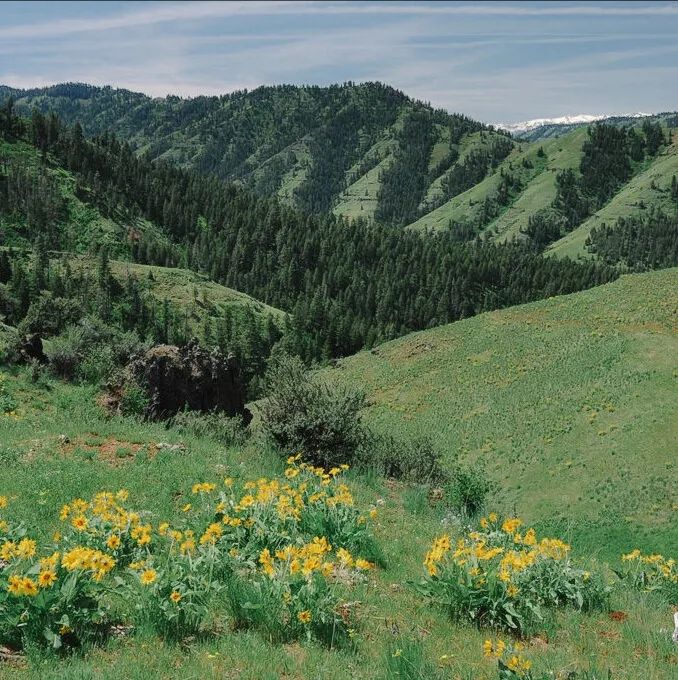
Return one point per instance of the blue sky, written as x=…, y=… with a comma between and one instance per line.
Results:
x=496, y=61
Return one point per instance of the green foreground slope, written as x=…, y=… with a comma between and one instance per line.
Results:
x=570, y=404
x=517, y=389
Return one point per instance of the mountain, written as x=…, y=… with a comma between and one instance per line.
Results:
x=519, y=129
x=369, y=152
x=304, y=144
x=545, y=128
x=580, y=388
x=348, y=148
x=546, y=191
x=346, y=284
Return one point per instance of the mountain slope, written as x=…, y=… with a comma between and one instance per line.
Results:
x=649, y=189
x=369, y=152
x=51, y=202
x=303, y=144
x=568, y=403
x=536, y=190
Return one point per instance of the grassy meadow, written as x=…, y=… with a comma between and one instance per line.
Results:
x=568, y=403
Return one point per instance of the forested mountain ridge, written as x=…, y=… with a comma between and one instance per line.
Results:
x=347, y=284
x=297, y=142
x=310, y=146
x=369, y=152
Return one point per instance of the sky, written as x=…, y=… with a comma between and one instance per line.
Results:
x=495, y=61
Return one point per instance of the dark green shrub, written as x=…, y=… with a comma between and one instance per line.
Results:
x=38, y=374
x=303, y=413
x=91, y=350
x=48, y=316
x=467, y=490
x=64, y=358
x=134, y=400
x=413, y=460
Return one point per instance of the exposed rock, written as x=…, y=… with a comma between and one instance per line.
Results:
x=190, y=377
x=180, y=447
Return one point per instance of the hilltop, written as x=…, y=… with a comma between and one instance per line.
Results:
x=568, y=403
x=306, y=145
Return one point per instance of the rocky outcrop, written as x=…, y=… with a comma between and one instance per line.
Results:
x=189, y=377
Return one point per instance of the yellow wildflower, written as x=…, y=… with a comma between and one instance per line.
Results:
x=47, y=578
x=148, y=577
x=79, y=523
x=305, y=617
x=113, y=542
x=25, y=549
x=511, y=525
x=363, y=564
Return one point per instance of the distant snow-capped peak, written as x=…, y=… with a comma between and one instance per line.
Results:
x=581, y=118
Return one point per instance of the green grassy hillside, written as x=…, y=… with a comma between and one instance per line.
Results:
x=568, y=403
x=77, y=222
x=540, y=190
x=190, y=290
x=79, y=227
x=650, y=188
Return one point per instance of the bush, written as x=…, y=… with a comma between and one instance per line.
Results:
x=651, y=573
x=38, y=374
x=64, y=358
x=224, y=429
x=8, y=403
x=91, y=350
x=304, y=413
x=413, y=460
x=467, y=490
x=134, y=399
x=48, y=315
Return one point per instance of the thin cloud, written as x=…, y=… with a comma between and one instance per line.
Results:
x=207, y=10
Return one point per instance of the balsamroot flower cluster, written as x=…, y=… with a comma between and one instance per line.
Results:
x=502, y=575
x=511, y=662
x=654, y=573
x=293, y=543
